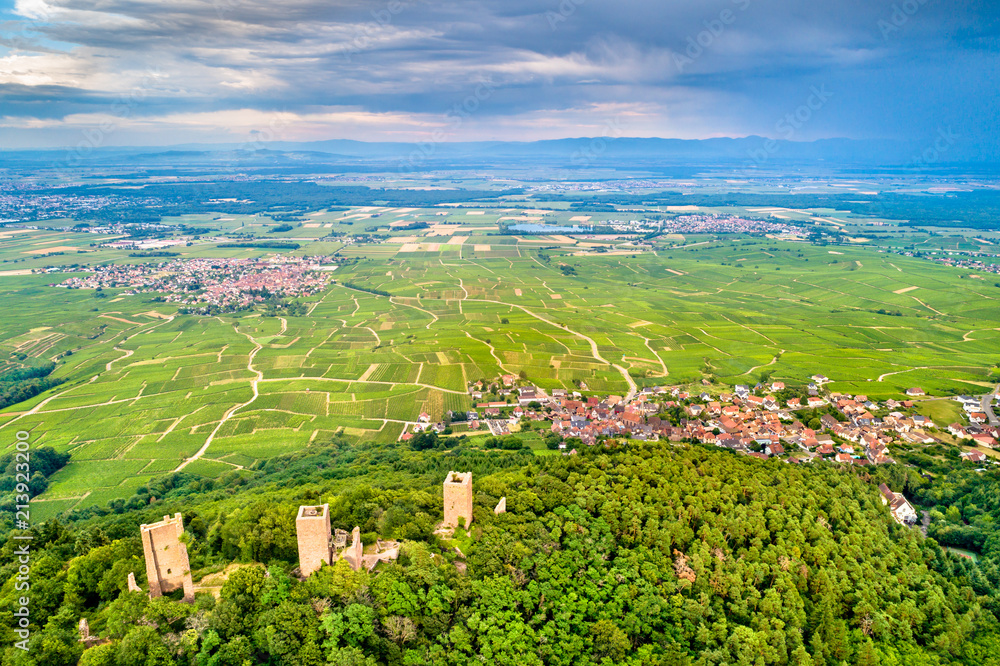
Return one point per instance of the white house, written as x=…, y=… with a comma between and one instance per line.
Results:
x=901, y=510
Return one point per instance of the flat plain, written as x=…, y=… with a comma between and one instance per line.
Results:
x=149, y=391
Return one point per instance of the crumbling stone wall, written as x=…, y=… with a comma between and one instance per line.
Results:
x=312, y=528
x=167, y=565
x=458, y=498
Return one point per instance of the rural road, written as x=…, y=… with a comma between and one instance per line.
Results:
x=233, y=410
x=666, y=373
x=632, y=388
x=899, y=372
x=128, y=352
x=407, y=305
x=773, y=361
x=988, y=409
x=355, y=381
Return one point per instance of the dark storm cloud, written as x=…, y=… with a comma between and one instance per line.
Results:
x=684, y=67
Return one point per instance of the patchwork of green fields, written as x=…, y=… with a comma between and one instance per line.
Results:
x=146, y=390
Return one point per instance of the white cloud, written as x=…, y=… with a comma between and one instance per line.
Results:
x=339, y=67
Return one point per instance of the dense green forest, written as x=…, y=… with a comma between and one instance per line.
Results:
x=45, y=462
x=966, y=514
x=643, y=554
x=25, y=383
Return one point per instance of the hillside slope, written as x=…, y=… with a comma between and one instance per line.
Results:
x=645, y=554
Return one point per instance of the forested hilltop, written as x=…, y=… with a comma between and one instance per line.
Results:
x=644, y=554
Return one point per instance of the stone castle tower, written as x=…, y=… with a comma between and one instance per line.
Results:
x=355, y=552
x=312, y=527
x=167, y=566
x=458, y=498
x=319, y=546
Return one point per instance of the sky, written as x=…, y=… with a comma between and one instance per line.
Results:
x=156, y=72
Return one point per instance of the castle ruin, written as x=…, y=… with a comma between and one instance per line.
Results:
x=319, y=546
x=458, y=499
x=355, y=552
x=312, y=528
x=167, y=565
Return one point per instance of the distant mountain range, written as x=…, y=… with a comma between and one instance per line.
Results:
x=606, y=148
x=752, y=151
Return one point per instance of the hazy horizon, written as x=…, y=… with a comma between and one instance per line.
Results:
x=126, y=73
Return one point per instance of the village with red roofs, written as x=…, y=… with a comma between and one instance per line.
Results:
x=759, y=421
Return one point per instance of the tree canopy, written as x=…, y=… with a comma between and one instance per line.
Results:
x=637, y=554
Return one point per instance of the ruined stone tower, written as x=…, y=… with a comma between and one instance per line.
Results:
x=458, y=498
x=312, y=526
x=167, y=566
x=355, y=552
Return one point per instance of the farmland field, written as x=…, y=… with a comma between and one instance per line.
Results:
x=407, y=323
